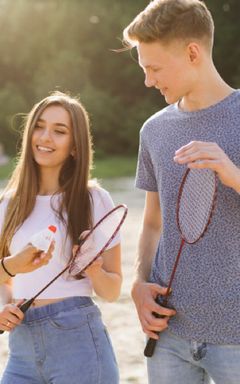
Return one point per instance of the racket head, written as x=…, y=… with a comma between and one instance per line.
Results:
x=94, y=242
x=196, y=203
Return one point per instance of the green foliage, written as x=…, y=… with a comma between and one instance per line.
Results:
x=68, y=45
x=6, y=170
x=103, y=168
x=114, y=166
x=227, y=48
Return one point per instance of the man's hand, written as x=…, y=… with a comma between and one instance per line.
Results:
x=200, y=154
x=144, y=296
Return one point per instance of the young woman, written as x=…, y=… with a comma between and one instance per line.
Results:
x=62, y=338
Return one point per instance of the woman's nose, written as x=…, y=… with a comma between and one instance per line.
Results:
x=45, y=134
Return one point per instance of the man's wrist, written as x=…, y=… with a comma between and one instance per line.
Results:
x=237, y=182
x=136, y=283
x=139, y=280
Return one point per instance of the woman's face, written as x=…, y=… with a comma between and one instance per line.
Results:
x=52, y=139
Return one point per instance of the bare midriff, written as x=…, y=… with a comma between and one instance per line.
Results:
x=41, y=302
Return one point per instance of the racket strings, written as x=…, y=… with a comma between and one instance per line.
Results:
x=196, y=203
x=96, y=240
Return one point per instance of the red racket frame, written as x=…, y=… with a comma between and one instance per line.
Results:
x=81, y=242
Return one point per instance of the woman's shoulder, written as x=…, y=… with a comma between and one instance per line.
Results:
x=101, y=202
x=5, y=196
x=4, y=200
x=98, y=193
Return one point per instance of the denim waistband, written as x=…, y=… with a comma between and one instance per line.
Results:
x=53, y=308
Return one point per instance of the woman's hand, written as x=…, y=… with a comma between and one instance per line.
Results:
x=10, y=317
x=105, y=272
x=93, y=269
x=29, y=259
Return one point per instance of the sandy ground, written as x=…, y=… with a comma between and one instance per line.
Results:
x=120, y=317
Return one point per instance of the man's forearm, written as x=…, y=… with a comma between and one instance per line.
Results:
x=148, y=243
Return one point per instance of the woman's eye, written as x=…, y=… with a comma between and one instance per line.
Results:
x=38, y=126
x=60, y=132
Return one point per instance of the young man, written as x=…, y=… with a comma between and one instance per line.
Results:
x=200, y=339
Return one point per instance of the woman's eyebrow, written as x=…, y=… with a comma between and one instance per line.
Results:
x=57, y=124
x=61, y=125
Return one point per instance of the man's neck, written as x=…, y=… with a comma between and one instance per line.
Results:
x=209, y=90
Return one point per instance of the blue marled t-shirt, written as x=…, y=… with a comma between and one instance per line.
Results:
x=206, y=288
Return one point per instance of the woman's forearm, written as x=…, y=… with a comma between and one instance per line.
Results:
x=5, y=294
x=106, y=285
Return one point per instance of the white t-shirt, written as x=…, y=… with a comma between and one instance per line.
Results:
x=28, y=284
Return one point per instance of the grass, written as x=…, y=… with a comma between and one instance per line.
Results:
x=110, y=167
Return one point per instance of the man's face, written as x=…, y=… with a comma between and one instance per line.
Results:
x=167, y=68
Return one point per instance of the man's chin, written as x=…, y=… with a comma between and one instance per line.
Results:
x=170, y=99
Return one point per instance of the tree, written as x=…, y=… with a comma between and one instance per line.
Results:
x=69, y=45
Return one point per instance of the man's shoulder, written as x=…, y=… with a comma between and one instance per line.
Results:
x=234, y=98
x=158, y=118
x=162, y=114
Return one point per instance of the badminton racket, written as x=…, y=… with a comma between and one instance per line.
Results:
x=91, y=245
x=195, y=205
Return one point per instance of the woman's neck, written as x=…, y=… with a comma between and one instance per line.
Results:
x=48, y=184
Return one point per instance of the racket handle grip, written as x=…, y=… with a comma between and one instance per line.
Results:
x=150, y=347
x=24, y=307
x=151, y=343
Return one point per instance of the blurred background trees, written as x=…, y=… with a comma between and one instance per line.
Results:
x=68, y=45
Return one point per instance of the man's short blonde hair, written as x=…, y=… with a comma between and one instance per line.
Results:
x=168, y=20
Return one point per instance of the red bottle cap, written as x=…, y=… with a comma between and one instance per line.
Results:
x=52, y=228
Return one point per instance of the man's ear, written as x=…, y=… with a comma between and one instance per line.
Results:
x=194, y=52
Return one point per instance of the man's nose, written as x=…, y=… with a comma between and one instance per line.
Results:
x=149, y=80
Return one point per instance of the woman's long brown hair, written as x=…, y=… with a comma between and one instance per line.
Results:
x=23, y=185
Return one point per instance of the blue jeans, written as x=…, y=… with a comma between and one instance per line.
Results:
x=61, y=343
x=181, y=361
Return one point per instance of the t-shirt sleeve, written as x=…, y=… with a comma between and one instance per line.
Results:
x=3, y=209
x=145, y=175
x=102, y=204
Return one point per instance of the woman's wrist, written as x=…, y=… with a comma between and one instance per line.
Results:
x=8, y=265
